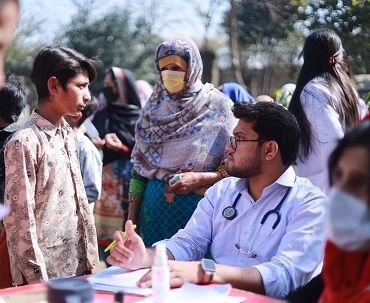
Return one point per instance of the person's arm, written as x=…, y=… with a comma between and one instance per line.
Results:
x=301, y=250
x=191, y=181
x=91, y=170
x=21, y=224
x=112, y=142
x=136, y=195
x=98, y=142
x=326, y=131
x=247, y=278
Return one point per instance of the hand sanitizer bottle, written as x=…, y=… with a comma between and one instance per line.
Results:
x=160, y=275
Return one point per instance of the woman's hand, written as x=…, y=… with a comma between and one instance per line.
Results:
x=187, y=183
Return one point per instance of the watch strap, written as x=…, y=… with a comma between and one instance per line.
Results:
x=208, y=277
x=208, y=274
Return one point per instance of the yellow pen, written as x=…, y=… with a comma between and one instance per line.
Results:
x=124, y=234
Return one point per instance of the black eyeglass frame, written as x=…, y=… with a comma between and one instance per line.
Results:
x=233, y=141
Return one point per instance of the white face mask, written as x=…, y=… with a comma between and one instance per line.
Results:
x=348, y=221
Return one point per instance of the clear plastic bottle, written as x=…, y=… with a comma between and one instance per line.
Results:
x=160, y=275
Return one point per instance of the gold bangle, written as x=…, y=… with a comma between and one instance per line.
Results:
x=223, y=172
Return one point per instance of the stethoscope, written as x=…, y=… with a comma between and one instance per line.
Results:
x=229, y=213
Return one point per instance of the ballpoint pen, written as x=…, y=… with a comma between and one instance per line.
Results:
x=124, y=234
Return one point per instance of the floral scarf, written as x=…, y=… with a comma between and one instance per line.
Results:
x=185, y=131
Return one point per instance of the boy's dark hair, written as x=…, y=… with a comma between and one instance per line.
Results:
x=13, y=98
x=272, y=122
x=357, y=136
x=60, y=62
x=90, y=108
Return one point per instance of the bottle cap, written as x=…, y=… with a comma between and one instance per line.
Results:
x=118, y=297
x=69, y=290
x=160, y=254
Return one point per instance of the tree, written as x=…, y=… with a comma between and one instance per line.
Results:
x=267, y=39
x=19, y=57
x=350, y=19
x=113, y=39
x=207, y=18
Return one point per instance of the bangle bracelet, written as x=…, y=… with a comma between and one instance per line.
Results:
x=223, y=172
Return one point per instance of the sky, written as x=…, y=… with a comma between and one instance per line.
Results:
x=55, y=14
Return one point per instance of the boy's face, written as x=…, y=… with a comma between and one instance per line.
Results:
x=74, y=99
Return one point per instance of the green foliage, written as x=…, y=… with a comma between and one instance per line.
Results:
x=20, y=55
x=114, y=39
x=350, y=19
x=367, y=101
x=266, y=31
x=264, y=22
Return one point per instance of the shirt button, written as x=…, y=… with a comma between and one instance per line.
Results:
x=254, y=206
x=241, y=259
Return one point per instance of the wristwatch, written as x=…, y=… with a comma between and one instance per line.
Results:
x=209, y=267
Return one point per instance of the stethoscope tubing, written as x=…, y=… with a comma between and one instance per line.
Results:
x=275, y=211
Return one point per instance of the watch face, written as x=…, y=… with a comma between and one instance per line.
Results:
x=209, y=264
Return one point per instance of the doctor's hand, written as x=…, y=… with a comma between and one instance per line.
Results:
x=180, y=272
x=129, y=252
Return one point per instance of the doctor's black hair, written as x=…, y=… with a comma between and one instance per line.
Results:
x=272, y=122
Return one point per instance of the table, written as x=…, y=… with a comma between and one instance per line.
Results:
x=37, y=292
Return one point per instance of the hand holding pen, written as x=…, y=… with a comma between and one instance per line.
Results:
x=124, y=234
x=129, y=252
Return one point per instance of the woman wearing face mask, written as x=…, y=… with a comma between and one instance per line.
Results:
x=180, y=136
x=115, y=123
x=346, y=273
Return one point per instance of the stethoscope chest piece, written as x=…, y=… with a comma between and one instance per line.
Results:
x=229, y=213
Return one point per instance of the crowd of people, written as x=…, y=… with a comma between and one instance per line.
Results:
x=271, y=196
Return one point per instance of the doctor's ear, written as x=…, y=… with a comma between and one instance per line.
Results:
x=52, y=85
x=271, y=149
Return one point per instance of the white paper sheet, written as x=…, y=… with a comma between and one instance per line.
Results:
x=3, y=211
x=199, y=294
x=115, y=279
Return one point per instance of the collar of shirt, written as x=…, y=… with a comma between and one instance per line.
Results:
x=10, y=128
x=50, y=128
x=286, y=179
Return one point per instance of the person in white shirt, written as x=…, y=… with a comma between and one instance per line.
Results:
x=325, y=103
x=263, y=226
x=89, y=157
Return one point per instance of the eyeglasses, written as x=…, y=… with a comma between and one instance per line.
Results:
x=233, y=141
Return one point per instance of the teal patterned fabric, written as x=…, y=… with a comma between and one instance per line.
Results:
x=168, y=217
